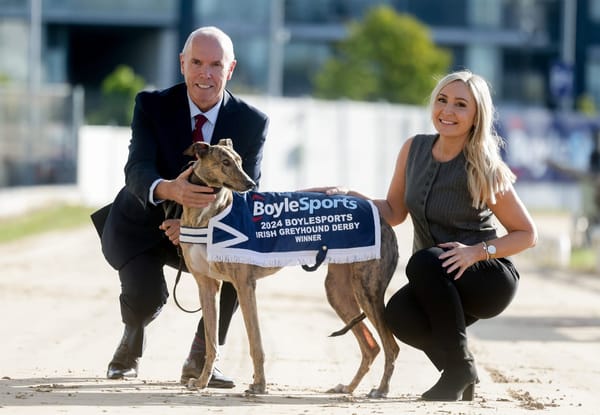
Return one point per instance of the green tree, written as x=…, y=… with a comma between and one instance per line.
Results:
x=389, y=57
x=4, y=79
x=586, y=105
x=119, y=89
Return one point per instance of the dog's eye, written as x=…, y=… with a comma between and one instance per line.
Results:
x=226, y=162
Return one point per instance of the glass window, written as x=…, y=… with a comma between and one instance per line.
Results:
x=594, y=10
x=485, y=60
x=485, y=13
x=14, y=6
x=302, y=61
x=592, y=74
x=123, y=6
x=208, y=12
x=326, y=11
x=250, y=74
x=13, y=49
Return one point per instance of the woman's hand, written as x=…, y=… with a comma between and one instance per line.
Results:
x=171, y=229
x=459, y=257
x=328, y=190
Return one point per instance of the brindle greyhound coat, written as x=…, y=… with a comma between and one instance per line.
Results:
x=351, y=288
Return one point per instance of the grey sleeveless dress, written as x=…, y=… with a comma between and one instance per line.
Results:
x=438, y=199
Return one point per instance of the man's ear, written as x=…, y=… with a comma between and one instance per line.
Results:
x=231, y=68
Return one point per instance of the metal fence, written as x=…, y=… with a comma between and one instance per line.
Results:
x=38, y=135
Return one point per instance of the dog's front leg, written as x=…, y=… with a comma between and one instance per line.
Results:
x=209, y=300
x=246, y=289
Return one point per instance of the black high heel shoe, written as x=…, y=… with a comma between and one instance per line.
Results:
x=456, y=383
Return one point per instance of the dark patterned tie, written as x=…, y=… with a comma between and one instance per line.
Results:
x=197, y=133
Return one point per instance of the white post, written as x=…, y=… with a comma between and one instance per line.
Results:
x=277, y=38
x=569, y=24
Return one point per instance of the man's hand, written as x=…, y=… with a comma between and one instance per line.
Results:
x=171, y=228
x=183, y=192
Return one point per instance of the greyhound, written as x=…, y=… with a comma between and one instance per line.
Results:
x=355, y=290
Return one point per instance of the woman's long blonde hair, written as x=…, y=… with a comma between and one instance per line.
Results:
x=487, y=173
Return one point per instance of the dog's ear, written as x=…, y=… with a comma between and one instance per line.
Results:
x=226, y=142
x=189, y=151
x=197, y=149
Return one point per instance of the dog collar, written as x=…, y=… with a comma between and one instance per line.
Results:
x=194, y=179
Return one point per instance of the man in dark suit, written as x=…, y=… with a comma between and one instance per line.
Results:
x=137, y=239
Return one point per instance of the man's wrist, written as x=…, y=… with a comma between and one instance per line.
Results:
x=153, y=196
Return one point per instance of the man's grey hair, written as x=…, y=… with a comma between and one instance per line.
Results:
x=215, y=32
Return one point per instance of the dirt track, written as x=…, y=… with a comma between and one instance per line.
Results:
x=60, y=325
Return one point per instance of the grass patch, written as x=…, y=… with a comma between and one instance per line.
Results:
x=44, y=220
x=583, y=259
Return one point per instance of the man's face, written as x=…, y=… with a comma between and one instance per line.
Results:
x=206, y=70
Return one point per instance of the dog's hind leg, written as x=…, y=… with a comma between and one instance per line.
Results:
x=371, y=298
x=341, y=297
x=209, y=300
x=370, y=280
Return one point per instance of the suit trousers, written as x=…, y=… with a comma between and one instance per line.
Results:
x=432, y=311
x=144, y=290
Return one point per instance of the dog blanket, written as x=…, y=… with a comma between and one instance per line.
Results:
x=275, y=229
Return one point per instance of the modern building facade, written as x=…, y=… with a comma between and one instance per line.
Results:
x=527, y=48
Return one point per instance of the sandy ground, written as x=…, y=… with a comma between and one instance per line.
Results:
x=60, y=324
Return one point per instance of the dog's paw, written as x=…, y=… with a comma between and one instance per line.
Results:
x=195, y=384
x=376, y=394
x=256, y=389
x=191, y=384
x=339, y=389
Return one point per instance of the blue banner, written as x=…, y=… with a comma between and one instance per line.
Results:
x=290, y=228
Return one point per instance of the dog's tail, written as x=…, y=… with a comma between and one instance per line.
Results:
x=348, y=326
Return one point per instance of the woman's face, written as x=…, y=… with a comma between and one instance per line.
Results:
x=454, y=110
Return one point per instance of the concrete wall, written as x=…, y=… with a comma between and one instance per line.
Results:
x=102, y=156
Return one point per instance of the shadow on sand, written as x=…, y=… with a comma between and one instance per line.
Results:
x=99, y=392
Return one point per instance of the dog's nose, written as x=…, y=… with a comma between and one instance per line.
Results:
x=250, y=184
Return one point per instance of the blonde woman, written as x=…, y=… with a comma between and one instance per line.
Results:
x=453, y=184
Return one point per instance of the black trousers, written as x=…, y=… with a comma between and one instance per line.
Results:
x=432, y=311
x=144, y=290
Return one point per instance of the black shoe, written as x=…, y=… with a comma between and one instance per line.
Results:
x=124, y=363
x=192, y=367
x=120, y=371
x=457, y=382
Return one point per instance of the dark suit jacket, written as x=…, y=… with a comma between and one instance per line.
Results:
x=161, y=131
